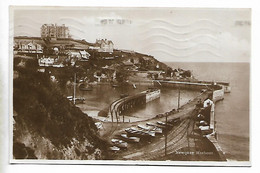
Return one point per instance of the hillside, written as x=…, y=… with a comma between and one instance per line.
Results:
x=46, y=124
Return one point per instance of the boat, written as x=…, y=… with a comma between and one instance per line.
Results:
x=156, y=125
x=151, y=129
x=150, y=133
x=85, y=87
x=150, y=124
x=203, y=123
x=172, y=122
x=119, y=143
x=204, y=127
x=114, y=148
x=140, y=132
x=164, y=125
x=123, y=95
x=157, y=130
x=143, y=127
x=77, y=100
x=74, y=99
x=115, y=85
x=161, y=123
x=99, y=125
x=130, y=138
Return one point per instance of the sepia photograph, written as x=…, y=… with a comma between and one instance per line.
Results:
x=142, y=85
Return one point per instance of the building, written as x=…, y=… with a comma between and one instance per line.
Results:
x=46, y=62
x=128, y=65
x=84, y=55
x=79, y=55
x=28, y=47
x=50, y=62
x=104, y=45
x=53, y=31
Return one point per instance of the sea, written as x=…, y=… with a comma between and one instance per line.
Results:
x=232, y=114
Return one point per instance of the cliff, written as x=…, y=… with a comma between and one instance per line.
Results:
x=46, y=125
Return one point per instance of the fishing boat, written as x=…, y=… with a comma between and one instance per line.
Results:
x=85, y=87
x=130, y=138
x=77, y=100
x=74, y=99
x=115, y=85
x=124, y=95
x=114, y=148
x=132, y=131
x=119, y=143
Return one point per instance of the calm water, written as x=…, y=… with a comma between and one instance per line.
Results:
x=103, y=95
x=232, y=114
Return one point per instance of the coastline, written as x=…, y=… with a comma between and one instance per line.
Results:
x=185, y=111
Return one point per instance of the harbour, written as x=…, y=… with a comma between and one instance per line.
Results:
x=104, y=97
x=126, y=130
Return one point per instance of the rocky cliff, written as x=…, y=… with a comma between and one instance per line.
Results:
x=46, y=125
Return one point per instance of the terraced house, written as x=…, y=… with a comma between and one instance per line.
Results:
x=28, y=47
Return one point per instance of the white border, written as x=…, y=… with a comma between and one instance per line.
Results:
x=73, y=162
x=254, y=109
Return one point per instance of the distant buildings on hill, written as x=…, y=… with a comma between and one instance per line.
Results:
x=28, y=47
x=103, y=45
x=55, y=47
x=54, y=31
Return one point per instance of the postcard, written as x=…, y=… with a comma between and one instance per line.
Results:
x=130, y=85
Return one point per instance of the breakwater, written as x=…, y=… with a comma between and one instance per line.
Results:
x=121, y=105
x=195, y=85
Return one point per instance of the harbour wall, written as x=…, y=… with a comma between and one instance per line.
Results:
x=198, y=85
x=121, y=105
x=150, y=96
x=217, y=95
x=181, y=85
x=218, y=91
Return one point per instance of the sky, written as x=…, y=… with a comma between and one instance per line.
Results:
x=168, y=34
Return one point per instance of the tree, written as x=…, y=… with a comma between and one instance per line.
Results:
x=121, y=76
x=186, y=73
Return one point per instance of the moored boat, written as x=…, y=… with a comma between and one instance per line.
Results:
x=119, y=143
x=74, y=99
x=114, y=148
x=130, y=138
x=85, y=87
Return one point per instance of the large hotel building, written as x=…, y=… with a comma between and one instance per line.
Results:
x=53, y=31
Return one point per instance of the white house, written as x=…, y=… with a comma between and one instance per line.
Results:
x=105, y=45
x=29, y=47
x=84, y=55
x=74, y=54
x=46, y=61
